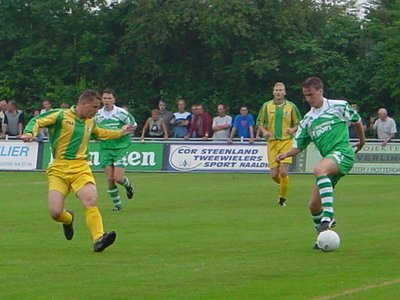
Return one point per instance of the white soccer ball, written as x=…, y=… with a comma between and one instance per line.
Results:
x=328, y=241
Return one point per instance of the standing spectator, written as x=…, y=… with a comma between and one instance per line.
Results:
x=193, y=113
x=13, y=124
x=278, y=121
x=65, y=105
x=385, y=126
x=201, y=124
x=155, y=126
x=221, y=124
x=180, y=120
x=3, y=109
x=47, y=106
x=111, y=116
x=243, y=124
x=165, y=114
x=352, y=126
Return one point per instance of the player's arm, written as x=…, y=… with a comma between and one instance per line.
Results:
x=263, y=122
x=110, y=134
x=361, y=136
x=290, y=153
x=41, y=121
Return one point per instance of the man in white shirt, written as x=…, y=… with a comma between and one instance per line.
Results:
x=222, y=124
x=385, y=126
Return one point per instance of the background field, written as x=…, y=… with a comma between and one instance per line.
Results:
x=202, y=236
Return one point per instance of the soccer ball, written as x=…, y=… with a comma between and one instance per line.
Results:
x=328, y=241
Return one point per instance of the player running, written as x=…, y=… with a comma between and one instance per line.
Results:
x=278, y=120
x=113, y=152
x=326, y=125
x=69, y=134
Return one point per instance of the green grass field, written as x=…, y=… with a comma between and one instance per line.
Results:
x=202, y=236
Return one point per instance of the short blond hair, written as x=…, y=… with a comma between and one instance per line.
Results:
x=280, y=84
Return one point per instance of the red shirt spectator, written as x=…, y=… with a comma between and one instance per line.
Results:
x=200, y=124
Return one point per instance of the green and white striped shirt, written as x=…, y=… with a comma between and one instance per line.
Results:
x=114, y=119
x=326, y=127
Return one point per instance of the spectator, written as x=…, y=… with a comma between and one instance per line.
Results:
x=385, y=126
x=65, y=105
x=243, y=124
x=35, y=112
x=201, y=124
x=222, y=124
x=180, y=121
x=3, y=109
x=47, y=106
x=165, y=114
x=155, y=125
x=352, y=127
x=193, y=113
x=13, y=124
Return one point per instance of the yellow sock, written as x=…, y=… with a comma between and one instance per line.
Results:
x=94, y=222
x=284, y=187
x=65, y=217
x=277, y=180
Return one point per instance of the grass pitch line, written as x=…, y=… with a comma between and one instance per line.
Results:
x=360, y=289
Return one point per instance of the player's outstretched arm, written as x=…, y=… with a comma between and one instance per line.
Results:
x=290, y=153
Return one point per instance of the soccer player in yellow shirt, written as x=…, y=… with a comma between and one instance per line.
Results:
x=69, y=134
x=278, y=120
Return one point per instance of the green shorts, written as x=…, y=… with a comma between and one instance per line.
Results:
x=344, y=159
x=113, y=157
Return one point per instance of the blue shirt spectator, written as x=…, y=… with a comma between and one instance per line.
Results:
x=243, y=124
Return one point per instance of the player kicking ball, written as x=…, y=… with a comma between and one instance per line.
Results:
x=326, y=125
x=69, y=134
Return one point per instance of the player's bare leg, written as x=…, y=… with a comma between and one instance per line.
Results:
x=88, y=196
x=58, y=213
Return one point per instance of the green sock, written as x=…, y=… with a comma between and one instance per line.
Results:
x=116, y=200
x=126, y=183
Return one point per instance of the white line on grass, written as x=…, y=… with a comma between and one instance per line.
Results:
x=360, y=289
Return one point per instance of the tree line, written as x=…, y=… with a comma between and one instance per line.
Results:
x=204, y=51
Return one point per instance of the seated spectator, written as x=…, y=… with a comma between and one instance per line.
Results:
x=201, y=124
x=165, y=114
x=13, y=124
x=243, y=125
x=180, y=121
x=155, y=126
x=222, y=124
x=352, y=128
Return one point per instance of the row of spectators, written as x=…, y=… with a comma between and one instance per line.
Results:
x=195, y=124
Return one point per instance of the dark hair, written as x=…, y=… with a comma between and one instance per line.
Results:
x=89, y=96
x=109, y=91
x=243, y=105
x=314, y=82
